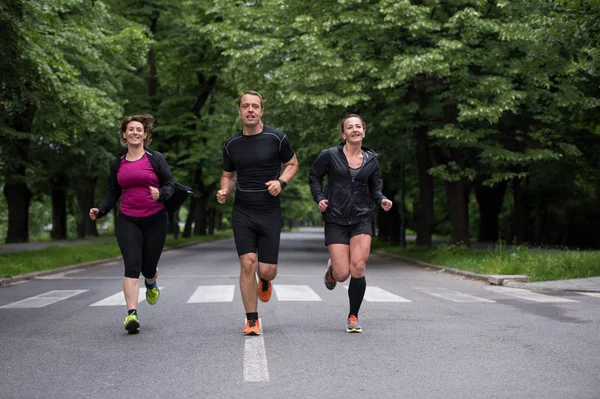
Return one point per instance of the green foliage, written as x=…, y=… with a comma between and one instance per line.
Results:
x=506, y=91
x=52, y=257
x=538, y=264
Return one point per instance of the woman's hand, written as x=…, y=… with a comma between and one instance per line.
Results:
x=323, y=204
x=154, y=193
x=386, y=204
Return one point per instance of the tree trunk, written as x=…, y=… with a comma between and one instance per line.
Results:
x=218, y=220
x=18, y=198
x=490, y=201
x=383, y=227
x=18, y=195
x=153, y=78
x=201, y=220
x=86, y=226
x=458, y=207
x=187, y=230
x=520, y=211
x=211, y=221
x=59, y=213
x=426, y=190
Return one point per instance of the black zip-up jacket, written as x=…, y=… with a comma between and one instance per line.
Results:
x=350, y=199
x=161, y=168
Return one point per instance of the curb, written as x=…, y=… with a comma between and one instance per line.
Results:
x=488, y=278
x=7, y=281
x=516, y=284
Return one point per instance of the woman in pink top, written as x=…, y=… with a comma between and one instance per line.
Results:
x=142, y=179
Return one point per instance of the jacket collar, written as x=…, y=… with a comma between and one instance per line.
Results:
x=147, y=150
x=370, y=153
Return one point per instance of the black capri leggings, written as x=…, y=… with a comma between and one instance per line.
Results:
x=141, y=241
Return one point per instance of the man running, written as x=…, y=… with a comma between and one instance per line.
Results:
x=254, y=156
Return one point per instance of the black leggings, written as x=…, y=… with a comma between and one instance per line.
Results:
x=141, y=241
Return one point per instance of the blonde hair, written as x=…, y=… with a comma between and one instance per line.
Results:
x=147, y=122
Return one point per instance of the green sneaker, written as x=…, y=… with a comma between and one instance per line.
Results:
x=132, y=324
x=152, y=295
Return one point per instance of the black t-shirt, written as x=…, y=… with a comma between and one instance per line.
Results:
x=256, y=159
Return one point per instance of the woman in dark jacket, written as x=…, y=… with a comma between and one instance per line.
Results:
x=354, y=186
x=142, y=179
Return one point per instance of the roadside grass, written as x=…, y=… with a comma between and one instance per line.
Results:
x=538, y=264
x=17, y=263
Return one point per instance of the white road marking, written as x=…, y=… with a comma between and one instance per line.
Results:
x=592, y=294
x=39, y=301
x=255, y=358
x=376, y=294
x=118, y=299
x=528, y=295
x=295, y=293
x=212, y=293
x=453, y=296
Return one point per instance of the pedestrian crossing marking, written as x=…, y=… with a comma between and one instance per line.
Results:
x=529, y=295
x=453, y=296
x=212, y=293
x=45, y=299
x=592, y=294
x=297, y=293
x=376, y=294
x=118, y=299
x=300, y=293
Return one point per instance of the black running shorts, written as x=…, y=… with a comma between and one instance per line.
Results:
x=341, y=234
x=257, y=231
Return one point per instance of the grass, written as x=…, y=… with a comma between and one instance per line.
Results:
x=538, y=264
x=13, y=264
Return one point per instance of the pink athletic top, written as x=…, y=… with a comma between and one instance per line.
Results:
x=135, y=179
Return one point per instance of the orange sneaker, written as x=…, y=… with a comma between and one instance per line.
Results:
x=265, y=288
x=353, y=326
x=252, y=327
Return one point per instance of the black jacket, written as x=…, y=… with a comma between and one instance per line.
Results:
x=161, y=168
x=351, y=200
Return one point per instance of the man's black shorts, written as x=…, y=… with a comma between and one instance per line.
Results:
x=257, y=231
x=341, y=234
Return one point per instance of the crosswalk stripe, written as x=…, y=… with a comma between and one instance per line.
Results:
x=592, y=294
x=376, y=294
x=301, y=293
x=212, y=293
x=528, y=295
x=453, y=296
x=118, y=299
x=39, y=301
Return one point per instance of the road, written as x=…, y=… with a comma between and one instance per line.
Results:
x=427, y=334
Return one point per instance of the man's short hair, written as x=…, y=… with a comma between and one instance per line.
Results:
x=252, y=92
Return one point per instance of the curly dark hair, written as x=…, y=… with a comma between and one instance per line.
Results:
x=147, y=122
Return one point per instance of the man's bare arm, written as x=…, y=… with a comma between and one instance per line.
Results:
x=227, y=186
x=291, y=167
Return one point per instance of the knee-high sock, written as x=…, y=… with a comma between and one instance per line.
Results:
x=356, y=293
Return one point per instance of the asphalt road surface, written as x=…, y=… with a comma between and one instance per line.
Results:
x=426, y=334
